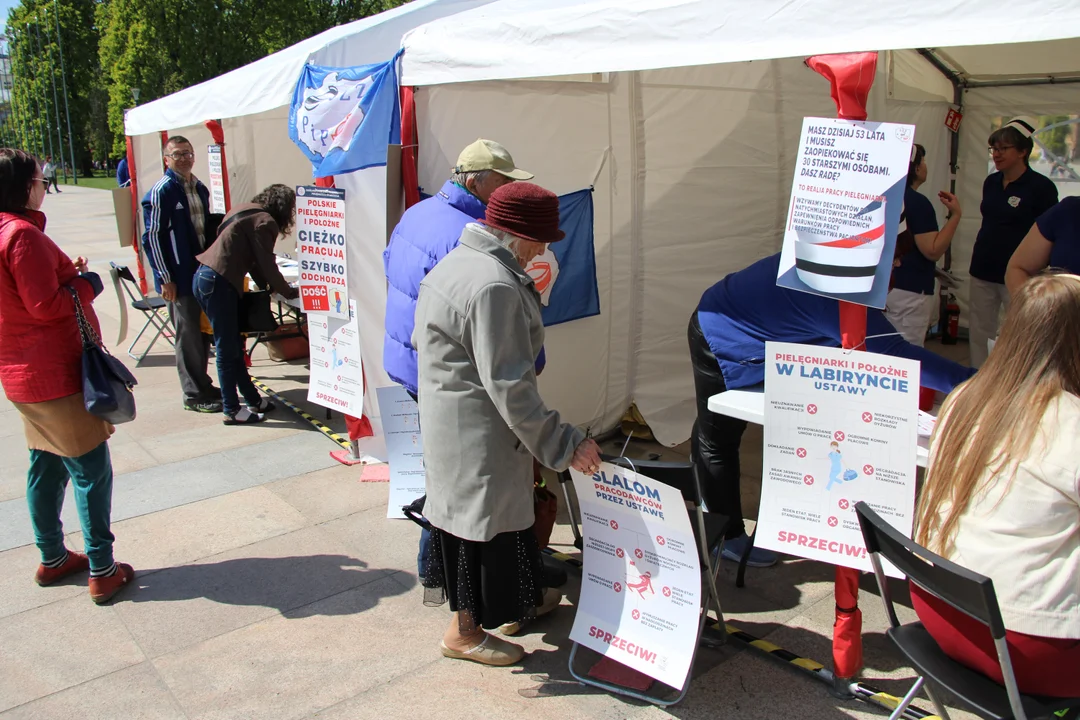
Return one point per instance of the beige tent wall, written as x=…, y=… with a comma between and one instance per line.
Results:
x=696, y=186
x=260, y=153
x=567, y=133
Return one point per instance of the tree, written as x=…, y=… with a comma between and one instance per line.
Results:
x=162, y=46
x=111, y=47
x=35, y=50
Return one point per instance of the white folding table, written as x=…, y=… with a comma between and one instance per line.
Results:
x=749, y=405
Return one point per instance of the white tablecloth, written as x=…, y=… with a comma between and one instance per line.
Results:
x=749, y=405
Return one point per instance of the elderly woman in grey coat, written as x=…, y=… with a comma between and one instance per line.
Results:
x=478, y=332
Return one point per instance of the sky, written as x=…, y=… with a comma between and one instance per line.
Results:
x=6, y=5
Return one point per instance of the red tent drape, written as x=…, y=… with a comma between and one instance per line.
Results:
x=850, y=76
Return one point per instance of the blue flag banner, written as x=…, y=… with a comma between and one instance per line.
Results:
x=343, y=118
x=565, y=274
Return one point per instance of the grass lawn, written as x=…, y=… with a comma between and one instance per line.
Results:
x=101, y=182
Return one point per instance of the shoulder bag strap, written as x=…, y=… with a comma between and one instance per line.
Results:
x=238, y=216
x=90, y=338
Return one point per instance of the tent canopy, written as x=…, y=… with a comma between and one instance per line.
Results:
x=691, y=110
x=987, y=40
x=268, y=83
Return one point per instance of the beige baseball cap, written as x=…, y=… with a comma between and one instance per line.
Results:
x=490, y=155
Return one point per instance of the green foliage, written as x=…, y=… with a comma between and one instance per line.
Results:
x=158, y=46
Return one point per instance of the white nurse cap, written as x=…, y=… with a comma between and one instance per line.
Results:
x=1025, y=125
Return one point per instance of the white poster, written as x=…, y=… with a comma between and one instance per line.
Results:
x=404, y=447
x=846, y=199
x=217, y=179
x=320, y=250
x=641, y=579
x=337, y=372
x=840, y=427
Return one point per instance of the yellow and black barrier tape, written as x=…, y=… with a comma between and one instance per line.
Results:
x=343, y=442
x=860, y=691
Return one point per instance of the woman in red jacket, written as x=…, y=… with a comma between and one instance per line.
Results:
x=41, y=373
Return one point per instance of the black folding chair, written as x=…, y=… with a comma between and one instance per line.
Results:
x=708, y=528
x=968, y=592
x=150, y=307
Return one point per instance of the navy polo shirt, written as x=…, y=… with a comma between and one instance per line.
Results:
x=916, y=271
x=1008, y=214
x=1061, y=226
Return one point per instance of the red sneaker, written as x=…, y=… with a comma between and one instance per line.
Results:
x=75, y=563
x=102, y=589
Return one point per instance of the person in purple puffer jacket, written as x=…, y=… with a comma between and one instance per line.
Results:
x=424, y=235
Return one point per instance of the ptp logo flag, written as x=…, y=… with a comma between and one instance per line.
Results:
x=343, y=118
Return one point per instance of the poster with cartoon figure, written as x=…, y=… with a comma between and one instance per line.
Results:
x=337, y=371
x=840, y=427
x=641, y=577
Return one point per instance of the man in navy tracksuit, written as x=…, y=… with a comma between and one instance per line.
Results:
x=176, y=215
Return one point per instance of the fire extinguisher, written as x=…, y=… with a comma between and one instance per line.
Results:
x=951, y=322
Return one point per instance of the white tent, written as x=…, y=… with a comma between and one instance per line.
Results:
x=685, y=115
x=252, y=104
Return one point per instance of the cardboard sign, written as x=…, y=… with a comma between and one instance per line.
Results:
x=337, y=371
x=840, y=427
x=641, y=579
x=404, y=447
x=320, y=250
x=846, y=200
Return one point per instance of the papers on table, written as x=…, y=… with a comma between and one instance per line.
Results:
x=927, y=422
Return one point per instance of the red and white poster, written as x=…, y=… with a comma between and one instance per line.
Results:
x=217, y=179
x=840, y=427
x=641, y=576
x=320, y=250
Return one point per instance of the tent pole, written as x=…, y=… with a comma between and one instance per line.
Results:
x=850, y=76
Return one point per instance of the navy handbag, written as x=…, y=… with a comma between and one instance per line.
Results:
x=107, y=383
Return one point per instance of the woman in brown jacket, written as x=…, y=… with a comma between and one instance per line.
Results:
x=245, y=245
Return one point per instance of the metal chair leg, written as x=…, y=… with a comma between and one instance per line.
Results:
x=740, y=577
x=939, y=707
x=899, y=711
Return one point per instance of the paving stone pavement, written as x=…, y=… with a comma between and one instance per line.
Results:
x=271, y=586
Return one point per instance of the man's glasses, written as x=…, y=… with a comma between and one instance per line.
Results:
x=999, y=149
x=181, y=155
x=38, y=179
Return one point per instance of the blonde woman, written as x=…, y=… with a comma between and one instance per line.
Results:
x=1001, y=495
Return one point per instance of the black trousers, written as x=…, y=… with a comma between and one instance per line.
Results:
x=715, y=440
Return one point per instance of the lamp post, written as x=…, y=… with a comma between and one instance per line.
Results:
x=56, y=101
x=135, y=95
x=67, y=109
x=43, y=118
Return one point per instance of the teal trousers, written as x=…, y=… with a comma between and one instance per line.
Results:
x=92, y=477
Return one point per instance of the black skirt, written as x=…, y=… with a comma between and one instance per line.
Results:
x=488, y=583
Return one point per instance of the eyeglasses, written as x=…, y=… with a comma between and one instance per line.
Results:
x=181, y=155
x=38, y=179
x=999, y=149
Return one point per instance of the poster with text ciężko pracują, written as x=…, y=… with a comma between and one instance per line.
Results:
x=320, y=251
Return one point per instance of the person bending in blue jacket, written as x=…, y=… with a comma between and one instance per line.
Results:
x=424, y=235
x=176, y=215
x=727, y=336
